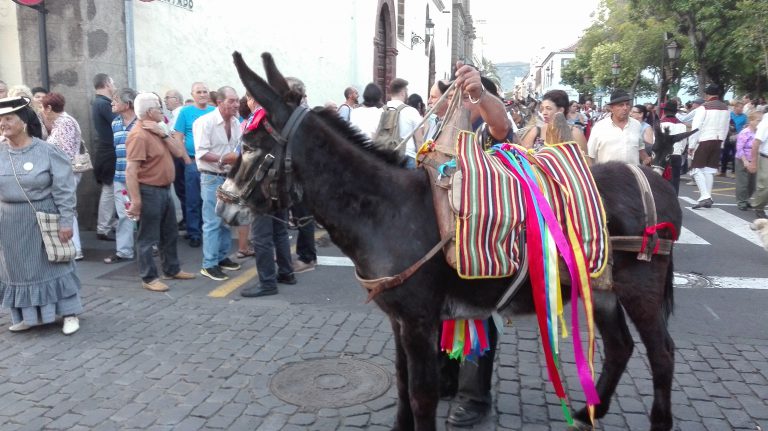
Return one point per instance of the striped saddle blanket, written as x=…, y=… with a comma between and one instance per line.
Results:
x=495, y=188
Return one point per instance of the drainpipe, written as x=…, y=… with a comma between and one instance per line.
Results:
x=43, y=36
x=130, y=49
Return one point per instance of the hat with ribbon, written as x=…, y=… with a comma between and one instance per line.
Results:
x=619, y=96
x=13, y=104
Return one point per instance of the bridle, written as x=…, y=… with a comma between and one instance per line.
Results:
x=268, y=173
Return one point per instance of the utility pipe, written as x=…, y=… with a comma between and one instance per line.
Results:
x=130, y=48
x=43, y=36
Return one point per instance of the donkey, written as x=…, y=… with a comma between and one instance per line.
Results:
x=381, y=216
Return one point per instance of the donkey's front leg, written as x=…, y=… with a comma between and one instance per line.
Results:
x=419, y=340
x=404, y=418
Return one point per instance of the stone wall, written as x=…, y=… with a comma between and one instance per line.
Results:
x=85, y=37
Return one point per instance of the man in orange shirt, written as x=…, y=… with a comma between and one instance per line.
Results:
x=148, y=176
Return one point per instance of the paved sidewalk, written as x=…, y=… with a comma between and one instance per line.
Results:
x=181, y=360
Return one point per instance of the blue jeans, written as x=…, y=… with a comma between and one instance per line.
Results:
x=193, y=201
x=125, y=226
x=305, y=241
x=157, y=226
x=217, y=239
x=270, y=238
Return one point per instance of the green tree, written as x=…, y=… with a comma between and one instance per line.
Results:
x=750, y=47
x=619, y=30
x=488, y=69
x=709, y=29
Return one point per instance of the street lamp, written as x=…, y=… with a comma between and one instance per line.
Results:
x=615, y=69
x=429, y=31
x=672, y=51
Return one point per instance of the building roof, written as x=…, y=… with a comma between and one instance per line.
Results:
x=572, y=47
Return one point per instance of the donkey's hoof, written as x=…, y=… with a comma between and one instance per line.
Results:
x=579, y=426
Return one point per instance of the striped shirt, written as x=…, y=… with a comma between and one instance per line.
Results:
x=120, y=133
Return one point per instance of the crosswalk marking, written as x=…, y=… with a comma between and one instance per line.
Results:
x=714, y=282
x=740, y=283
x=729, y=222
x=334, y=261
x=688, y=237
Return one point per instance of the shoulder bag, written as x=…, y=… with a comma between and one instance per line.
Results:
x=82, y=160
x=56, y=250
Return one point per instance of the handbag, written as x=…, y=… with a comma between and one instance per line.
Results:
x=57, y=250
x=82, y=160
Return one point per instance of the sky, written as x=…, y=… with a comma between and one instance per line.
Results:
x=517, y=30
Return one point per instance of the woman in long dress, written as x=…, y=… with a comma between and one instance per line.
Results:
x=34, y=289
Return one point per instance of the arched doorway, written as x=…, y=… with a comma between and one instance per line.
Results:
x=385, y=53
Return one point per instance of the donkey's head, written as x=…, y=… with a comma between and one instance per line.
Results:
x=262, y=176
x=664, y=145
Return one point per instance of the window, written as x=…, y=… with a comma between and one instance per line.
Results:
x=401, y=19
x=564, y=62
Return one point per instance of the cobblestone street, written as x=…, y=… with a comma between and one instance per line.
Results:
x=186, y=361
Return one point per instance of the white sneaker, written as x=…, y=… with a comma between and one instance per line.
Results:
x=21, y=326
x=71, y=325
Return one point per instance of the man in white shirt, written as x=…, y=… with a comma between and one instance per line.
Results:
x=408, y=120
x=712, y=121
x=173, y=103
x=617, y=137
x=436, y=119
x=688, y=116
x=216, y=136
x=759, y=165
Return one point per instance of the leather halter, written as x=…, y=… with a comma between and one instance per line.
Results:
x=266, y=175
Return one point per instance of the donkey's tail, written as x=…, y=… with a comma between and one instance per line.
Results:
x=668, y=304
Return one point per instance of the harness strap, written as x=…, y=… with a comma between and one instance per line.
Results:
x=520, y=276
x=378, y=285
x=297, y=116
x=649, y=210
x=636, y=244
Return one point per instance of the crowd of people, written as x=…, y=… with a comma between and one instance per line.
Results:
x=730, y=139
x=143, y=150
x=147, y=147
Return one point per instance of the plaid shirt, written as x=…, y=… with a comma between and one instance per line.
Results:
x=120, y=133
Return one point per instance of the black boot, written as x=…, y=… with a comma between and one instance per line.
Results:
x=256, y=291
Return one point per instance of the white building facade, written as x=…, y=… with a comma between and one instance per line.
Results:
x=158, y=45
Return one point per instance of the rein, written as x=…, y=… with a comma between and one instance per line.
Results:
x=378, y=285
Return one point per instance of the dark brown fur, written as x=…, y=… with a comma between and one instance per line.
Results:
x=381, y=216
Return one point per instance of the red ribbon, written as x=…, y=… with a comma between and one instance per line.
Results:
x=651, y=231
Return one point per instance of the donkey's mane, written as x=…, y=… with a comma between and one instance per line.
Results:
x=358, y=138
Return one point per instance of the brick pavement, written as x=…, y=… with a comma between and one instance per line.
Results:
x=184, y=361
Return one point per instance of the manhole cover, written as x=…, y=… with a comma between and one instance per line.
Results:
x=691, y=280
x=329, y=383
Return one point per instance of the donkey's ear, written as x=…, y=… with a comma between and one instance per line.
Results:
x=275, y=78
x=260, y=90
x=256, y=86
